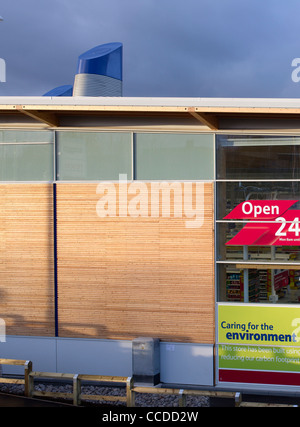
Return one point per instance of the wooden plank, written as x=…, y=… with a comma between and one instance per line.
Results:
x=156, y=390
x=11, y=381
x=151, y=108
x=12, y=362
x=48, y=118
x=52, y=394
x=186, y=392
x=210, y=393
x=102, y=378
x=103, y=397
x=122, y=277
x=56, y=375
x=266, y=405
x=26, y=268
x=208, y=120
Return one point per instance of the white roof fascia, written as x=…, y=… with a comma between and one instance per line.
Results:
x=155, y=102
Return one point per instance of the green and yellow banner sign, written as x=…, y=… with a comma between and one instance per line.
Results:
x=285, y=359
x=264, y=325
x=259, y=343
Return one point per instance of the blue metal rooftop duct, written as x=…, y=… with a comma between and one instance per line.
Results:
x=65, y=90
x=99, y=71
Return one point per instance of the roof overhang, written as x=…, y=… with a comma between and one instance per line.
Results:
x=207, y=112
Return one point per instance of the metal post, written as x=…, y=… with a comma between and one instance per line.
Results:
x=273, y=271
x=28, y=379
x=182, y=398
x=246, y=275
x=76, y=390
x=130, y=393
x=238, y=399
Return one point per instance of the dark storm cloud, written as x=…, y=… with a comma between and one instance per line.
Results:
x=232, y=48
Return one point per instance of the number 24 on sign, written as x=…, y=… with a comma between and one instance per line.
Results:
x=293, y=227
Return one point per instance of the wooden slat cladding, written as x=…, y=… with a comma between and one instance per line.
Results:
x=121, y=277
x=26, y=259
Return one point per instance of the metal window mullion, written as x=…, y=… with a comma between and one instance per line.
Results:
x=132, y=136
x=260, y=180
x=253, y=262
x=54, y=156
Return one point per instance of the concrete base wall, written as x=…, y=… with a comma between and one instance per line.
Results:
x=180, y=363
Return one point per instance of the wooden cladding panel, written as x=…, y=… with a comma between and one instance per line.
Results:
x=26, y=259
x=124, y=277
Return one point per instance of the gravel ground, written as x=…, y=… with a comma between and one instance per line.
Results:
x=141, y=400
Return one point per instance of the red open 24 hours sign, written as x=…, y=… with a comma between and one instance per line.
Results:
x=271, y=223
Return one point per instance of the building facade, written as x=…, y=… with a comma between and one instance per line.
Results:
x=174, y=219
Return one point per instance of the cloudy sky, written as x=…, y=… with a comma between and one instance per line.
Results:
x=176, y=48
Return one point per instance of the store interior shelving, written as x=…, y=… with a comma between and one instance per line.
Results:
x=260, y=288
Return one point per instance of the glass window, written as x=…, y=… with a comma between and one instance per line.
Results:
x=264, y=285
x=255, y=253
x=174, y=157
x=93, y=155
x=258, y=257
x=26, y=155
x=258, y=157
x=231, y=193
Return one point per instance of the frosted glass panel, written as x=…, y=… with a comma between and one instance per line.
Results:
x=93, y=155
x=26, y=162
x=26, y=155
x=173, y=156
